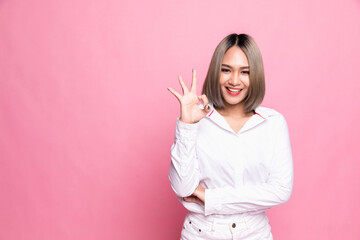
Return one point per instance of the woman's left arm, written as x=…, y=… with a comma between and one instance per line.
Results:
x=276, y=191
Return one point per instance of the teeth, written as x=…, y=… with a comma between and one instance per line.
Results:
x=233, y=90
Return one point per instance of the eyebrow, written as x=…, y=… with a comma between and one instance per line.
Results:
x=225, y=65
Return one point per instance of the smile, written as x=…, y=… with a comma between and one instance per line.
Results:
x=233, y=91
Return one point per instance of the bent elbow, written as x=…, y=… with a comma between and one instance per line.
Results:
x=181, y=192
x=285, y=195
x=182, y=188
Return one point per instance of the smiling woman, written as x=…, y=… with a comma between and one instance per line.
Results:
x=236, y=54
x=231, y=159
x=234, y=77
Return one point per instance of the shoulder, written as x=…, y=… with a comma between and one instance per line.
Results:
x=270, y=114
x=267, y=112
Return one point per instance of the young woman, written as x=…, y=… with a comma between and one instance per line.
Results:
x=231, y=159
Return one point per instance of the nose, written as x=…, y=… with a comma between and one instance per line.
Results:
x=235, y=79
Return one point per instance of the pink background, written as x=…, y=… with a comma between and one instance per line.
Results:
x=86, y=122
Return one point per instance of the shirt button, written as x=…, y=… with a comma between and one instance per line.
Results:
x=233, y=225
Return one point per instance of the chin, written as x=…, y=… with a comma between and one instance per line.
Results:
x=232, y=101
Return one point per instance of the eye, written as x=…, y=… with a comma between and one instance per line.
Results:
x=225, y=70
x=245, y=72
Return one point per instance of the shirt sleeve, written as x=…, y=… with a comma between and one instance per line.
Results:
x=277, y=190
x=184, y=169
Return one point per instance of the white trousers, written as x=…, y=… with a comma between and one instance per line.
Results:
x=241, y=226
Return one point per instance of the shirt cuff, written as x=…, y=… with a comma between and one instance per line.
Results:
x=212, y=201
x=186, y=131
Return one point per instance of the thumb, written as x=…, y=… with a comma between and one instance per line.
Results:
x=207, y=108
x=205, y=103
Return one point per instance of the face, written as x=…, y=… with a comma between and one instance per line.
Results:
x=234, y=76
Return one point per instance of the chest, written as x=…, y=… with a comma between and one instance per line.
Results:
x=236, y=124
x=235, y=159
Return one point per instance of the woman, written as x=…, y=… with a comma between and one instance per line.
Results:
x=231, y=159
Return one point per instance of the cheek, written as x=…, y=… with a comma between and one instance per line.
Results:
x=223, y=78
x=246, y=81
x=221, y=81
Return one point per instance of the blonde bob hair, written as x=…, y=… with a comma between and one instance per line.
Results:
x=256, y=92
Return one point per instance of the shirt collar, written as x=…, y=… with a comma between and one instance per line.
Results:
x=261, y=114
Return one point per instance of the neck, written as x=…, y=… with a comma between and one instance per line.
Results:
x=235, y=111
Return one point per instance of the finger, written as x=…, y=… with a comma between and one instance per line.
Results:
x=194, y=200
x=189, y=199
x=193, y=84
x=205, y=102
x=199, y=202
x=176, y=94
x=183, y=86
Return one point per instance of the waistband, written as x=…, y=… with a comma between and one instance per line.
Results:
x=218, y=223
x=239, y=220
x=225, y=219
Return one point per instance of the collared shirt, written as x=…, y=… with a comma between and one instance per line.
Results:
x=246, y=171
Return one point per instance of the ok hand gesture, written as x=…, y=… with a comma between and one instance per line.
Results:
x=190, y=112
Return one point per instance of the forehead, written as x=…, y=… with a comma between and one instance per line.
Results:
x=234, y=56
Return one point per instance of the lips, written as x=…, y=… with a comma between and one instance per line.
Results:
x=233, y=91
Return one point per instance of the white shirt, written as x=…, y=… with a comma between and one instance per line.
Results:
x=249, y=171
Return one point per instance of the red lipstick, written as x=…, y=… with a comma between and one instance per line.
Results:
x=235, y=91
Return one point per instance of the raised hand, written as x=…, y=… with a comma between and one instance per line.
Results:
x=190, y=112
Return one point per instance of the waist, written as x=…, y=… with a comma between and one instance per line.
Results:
x=218, y=218
x=242, y=219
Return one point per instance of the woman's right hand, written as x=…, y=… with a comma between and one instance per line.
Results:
x=190, y=112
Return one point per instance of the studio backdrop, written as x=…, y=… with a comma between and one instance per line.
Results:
x=86, y=121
